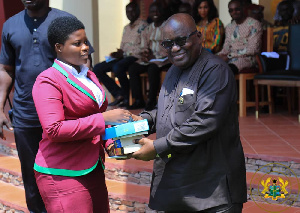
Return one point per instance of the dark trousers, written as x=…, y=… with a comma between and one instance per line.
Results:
x=234, y=208
x=135, y=82
x=119, y=68
x=27, y=142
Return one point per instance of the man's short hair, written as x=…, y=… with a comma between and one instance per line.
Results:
x=60, y=29
x=241, y=2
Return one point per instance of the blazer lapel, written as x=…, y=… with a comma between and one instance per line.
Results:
x=93, y=77
x=74, y=81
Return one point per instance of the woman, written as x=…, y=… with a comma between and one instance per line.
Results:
x=210, y=26
x=71, y=106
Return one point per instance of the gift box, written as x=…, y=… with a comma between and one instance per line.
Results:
x=124, y=135
x=118, y=131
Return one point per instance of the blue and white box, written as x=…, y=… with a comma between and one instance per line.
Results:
x=124, y=135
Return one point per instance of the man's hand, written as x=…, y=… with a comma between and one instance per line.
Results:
x=147, y=55
x=147, y=151
x=118, y=54
x=4, y=122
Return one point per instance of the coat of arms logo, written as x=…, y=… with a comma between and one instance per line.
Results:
x=274, y=189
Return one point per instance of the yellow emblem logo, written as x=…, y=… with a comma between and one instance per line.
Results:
x=274, y=190
x=274, y=183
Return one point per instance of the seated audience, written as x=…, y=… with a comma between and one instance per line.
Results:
x=210, y=26
x=128, y=53
x=152, y=49
x=242, y=39
x=280, y=32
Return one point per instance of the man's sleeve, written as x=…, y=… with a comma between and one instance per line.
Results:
x=215, y=96
x=7, y=54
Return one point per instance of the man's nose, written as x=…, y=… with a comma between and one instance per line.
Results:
x=175, y=48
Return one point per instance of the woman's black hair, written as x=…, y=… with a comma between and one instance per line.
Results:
x=60, y=29
x=212, y=13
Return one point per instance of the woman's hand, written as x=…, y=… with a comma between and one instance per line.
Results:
x=117, y=116
x=136, y=117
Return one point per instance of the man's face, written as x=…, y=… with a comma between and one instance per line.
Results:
x=35, y=4
x=154, y=14
x=285, y=11
x=182, y=56
x=131, y=14
x=236, y=11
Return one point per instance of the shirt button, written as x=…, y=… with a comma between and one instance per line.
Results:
x=34, y=40
x=34, y=30
x=35, y=19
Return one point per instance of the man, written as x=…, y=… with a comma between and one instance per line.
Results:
x=242, y=39
x=128, y=53
x=281, y=29
x=199, y=162
x=152, y=60
x=25, y=53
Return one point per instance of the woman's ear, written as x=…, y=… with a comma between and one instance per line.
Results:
x=58, y=47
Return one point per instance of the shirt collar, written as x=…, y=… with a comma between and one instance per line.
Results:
x=73, y=71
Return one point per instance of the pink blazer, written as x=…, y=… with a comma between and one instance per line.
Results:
x=71, y=120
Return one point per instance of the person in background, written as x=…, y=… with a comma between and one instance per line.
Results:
x=257, y=12
x=71, y=104
x=296, y=14
x=242, y=39
x=128, y=53
x=281, y=29
x=199, y=161
x=210, y=26
x=185, y=8
x=25, y=53
x=151, y=50
x=169, y=7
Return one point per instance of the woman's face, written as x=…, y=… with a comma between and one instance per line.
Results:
x=75, y=50
x=203, y=9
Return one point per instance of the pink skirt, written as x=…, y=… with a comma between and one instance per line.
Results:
x=82, y=194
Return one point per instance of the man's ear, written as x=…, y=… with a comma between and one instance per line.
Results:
x=58, y=47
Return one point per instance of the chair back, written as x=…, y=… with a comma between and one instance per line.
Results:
x=267, y=40
x=294, y=47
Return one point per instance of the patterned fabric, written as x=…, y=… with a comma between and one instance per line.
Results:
x=212, y=35
x=131, y=39
x=281, y=37
x=242, y=43
x=151, y=38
